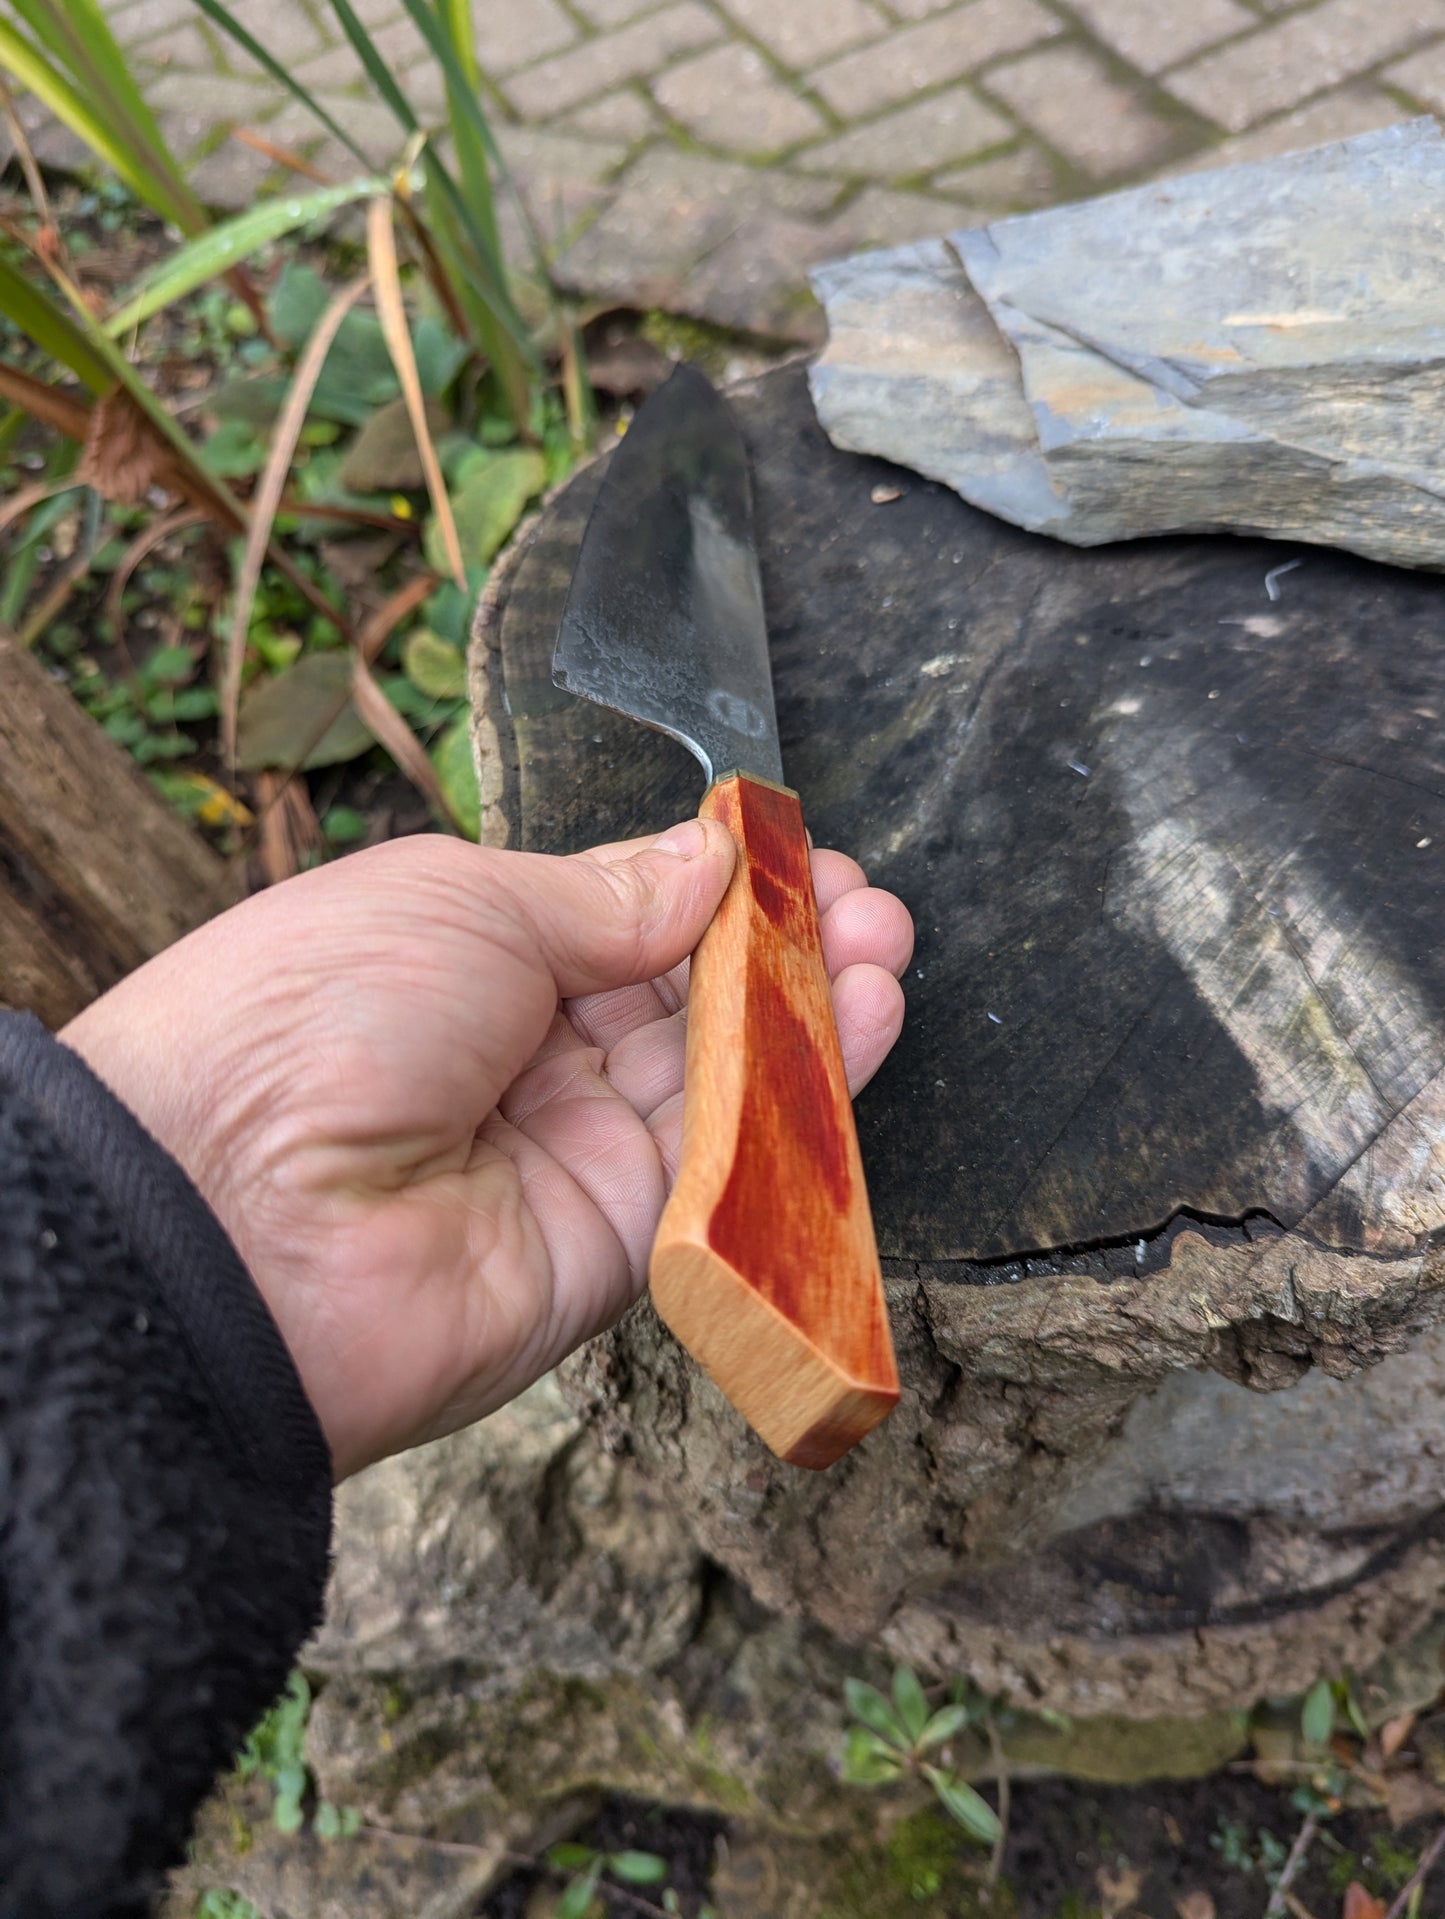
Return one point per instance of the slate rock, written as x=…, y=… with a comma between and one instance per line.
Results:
x=1258, y=349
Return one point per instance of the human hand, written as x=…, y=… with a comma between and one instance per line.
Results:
x=433, y=1092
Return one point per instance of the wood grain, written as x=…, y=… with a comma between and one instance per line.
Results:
x=96, y=872
x=765, y=1265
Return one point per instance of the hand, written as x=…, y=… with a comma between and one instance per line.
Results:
x=434, y=1093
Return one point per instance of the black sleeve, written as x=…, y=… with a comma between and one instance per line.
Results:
x=165, y=1496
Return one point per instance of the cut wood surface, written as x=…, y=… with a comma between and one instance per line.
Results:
x=765, y=1264
x=96, y=872
x=1165, y=1132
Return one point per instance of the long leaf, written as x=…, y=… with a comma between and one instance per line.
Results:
x=202, y=259
x=91, y=108
x=397, y=737
x=52, y=329
x=381, y=251
x=378, y=72
x=228, y=23
x=284, y=435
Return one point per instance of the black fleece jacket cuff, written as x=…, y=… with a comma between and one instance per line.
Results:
x=165, y=1496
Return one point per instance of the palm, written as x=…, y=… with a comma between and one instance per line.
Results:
x=443, y=1175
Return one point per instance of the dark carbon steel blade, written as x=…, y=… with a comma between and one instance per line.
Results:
x=664, y=620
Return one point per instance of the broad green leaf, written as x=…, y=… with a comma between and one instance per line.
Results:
x=449, y=613
x=869, y=1760
x=304, y=718
x=384, y=457
x=910, y=1702
x=327, y=1823
x=1317, y=1715
x=439, y=354
x=433, y=667
x=576, y=1901
x=961, y=1802
x=456, y=769
x=296, y=304
x=637, y=1868
x=944, y=1724
x=868, y=1704
x=1355, y=1714
x=234, y=451
x=569, y=1858
x=490, y=497
x=343, y=825
x=227, y=245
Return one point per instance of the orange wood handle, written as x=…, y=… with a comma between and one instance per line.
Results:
x=765, y=1265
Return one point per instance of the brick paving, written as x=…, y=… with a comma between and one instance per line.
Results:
x=700, y=154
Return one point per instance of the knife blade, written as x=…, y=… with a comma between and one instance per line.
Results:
x=765, y=1264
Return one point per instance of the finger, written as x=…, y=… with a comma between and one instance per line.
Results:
x=834, y=874
x=867, y=926
x=604, y=924
x=646, y=1067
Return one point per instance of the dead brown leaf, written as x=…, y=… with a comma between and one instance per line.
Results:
x=1195, y=1905
x=1360, y=1904
x=1394, y=1733
x=124, y=456
x=1412, y=1795
x=1120, y=1890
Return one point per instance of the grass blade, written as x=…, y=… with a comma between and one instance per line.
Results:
x=378, y=72
x=285, y=434
x=102, y=105
x=225, y=246
x=381, y=252
x=229, y=24
x=52, y=330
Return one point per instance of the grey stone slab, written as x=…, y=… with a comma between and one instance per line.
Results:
x=1256, y=349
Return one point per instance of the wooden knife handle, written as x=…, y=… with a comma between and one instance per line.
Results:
x=765, y=1265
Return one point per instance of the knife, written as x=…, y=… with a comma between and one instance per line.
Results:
x=764, y=1265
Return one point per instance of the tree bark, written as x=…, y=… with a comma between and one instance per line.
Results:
x=1158, y=1168
x=96, y=872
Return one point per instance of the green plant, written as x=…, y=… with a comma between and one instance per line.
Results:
x=275, y=1751
x=220, y=1903
x=892, y=1738
x=586, y=1869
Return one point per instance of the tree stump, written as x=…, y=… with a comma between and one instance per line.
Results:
x=96, y=872
x=1158, y=1168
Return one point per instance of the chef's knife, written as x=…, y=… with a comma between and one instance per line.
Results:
x=764, y=1265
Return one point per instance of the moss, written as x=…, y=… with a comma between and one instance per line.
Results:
x=709, y=347
x=923, y=1869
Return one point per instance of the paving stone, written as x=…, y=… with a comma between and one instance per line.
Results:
x=614, y=13
x=221, y=98
x=232, y=176
x=918, y=9
x=1013, y=182
x=1285, y=63
x=401, y=44
x=880, y=218
x=670, y=211
x=182, y=48
x=369, y=124
x=145, y=18
x=597, y=66
x=807, y=31
x=618, y=116
x=934, y=132
x=730, y=97
x=929, y=54
x=184, y=132
x=1151, y=37
x=1422, y=76
x=1338, y=116
x=333, y=70
x=510, y=33
x=559, y=178
x=1064, y=94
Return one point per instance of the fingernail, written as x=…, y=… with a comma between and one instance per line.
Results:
x=685, y=841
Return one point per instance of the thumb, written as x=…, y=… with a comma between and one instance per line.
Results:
x=603, y=921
